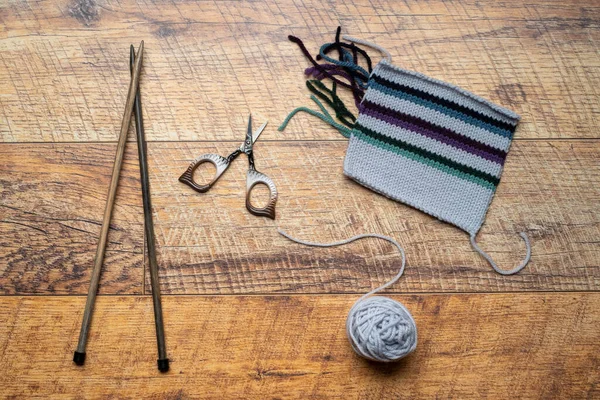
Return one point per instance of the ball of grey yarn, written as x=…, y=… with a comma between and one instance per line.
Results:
x=381, y=329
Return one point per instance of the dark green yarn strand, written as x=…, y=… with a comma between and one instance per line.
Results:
x=341, y=111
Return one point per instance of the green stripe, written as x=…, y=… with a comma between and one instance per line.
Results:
x=427, y=154
x=424, y=157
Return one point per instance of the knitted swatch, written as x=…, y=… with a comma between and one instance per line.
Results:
x=426, y=143
x=429, y=144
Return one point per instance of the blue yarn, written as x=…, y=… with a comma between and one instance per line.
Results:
x=437, y=107
x=347, y=62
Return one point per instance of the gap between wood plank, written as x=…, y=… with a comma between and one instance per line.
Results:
x=266, y=141
x=278, y=294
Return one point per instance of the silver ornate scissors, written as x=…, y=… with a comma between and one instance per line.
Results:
x=253, y=178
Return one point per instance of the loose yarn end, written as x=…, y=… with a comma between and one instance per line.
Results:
x=378, y=328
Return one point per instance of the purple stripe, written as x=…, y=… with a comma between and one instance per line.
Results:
x=440, y=134
x=332, y=68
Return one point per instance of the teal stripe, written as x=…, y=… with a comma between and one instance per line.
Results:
x=437, y=107
x=428, y=154
x=427, y=161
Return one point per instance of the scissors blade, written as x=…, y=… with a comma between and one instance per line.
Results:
x=259, y=131
x=255, y=136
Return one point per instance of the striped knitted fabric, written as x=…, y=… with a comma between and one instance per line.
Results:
x=430, y=144
x=423, y=142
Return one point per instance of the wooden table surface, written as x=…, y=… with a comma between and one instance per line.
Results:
x=247, y=313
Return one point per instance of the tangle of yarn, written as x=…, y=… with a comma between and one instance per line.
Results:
x=341, y=112
x=347, y=68
x=347, y=62
x=378, y=328
x=381, y=329
x=319, y=67
x=351, y=46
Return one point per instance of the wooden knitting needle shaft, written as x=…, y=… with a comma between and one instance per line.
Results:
x=163, y=361
x=79, y=356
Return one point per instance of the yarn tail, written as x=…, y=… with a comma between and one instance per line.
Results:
x=495, y=266
x=341, y=111
x=386, y=53
x=325, y=116
x=350, y=240
x=346, y=67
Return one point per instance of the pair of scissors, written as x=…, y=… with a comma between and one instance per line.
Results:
x=253, y=177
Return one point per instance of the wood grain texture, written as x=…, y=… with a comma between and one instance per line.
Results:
x=51, y=208
x=542, y=346
x=64, y=72
x=209, y=243
x=64, y=64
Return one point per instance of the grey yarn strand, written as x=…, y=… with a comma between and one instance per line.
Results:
x=495, y=266
x=378, y=328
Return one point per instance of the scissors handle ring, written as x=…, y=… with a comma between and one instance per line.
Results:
x=221, y=164
x=254, y=178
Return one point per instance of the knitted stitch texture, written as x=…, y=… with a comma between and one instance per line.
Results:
x=429, y=144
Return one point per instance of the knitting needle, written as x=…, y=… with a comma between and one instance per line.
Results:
x=163, y=361
x=79, y=356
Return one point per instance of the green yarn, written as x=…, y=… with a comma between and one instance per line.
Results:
x=325, y=116
x=428, y=154
x=322, y=91
x=420, y=157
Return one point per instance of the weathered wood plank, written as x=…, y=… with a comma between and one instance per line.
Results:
x=470, y=346
x=63, y=78
x=209, y=243
x=51, y=208
x=64, y=64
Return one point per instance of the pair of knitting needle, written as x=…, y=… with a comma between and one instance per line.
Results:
x=131, y=105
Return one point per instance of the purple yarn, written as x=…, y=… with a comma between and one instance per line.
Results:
x=451, y=139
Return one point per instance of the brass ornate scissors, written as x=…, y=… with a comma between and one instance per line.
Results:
x=253, y=178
